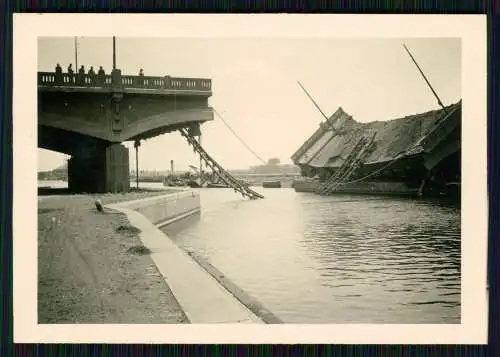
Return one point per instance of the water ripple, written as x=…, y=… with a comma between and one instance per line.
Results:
x=338, y=259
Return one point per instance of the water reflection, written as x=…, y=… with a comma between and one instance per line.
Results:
x=338, y=259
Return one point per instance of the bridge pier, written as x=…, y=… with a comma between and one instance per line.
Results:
x=104, y=169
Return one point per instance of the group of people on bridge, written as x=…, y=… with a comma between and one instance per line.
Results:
x=79, y=78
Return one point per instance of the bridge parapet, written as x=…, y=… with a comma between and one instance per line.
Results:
x=442, y=128
x=53, y=79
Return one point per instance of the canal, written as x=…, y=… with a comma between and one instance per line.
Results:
x=337, y=259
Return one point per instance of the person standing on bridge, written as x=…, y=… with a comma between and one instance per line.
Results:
x=141, y=74
x=101, y=76
x=58, y=77
x=81, y=75
x=91, y=74
x=70, y=73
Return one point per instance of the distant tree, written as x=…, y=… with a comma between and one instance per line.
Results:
x=273, y=161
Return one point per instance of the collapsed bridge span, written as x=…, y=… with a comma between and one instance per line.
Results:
x=415, y=155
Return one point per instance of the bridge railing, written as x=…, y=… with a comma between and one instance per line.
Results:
x=51, y=79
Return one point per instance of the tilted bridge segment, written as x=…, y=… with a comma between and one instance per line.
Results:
x=417, y=155
x=90, y=116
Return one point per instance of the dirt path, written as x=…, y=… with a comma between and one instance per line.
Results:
x=86, y=273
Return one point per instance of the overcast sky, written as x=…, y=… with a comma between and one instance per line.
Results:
x=254, y=83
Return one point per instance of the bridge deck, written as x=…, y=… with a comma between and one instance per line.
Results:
x=135, y=84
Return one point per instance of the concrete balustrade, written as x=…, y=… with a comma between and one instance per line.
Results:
x=51, y=79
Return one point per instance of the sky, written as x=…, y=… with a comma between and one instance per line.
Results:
x=254, y=84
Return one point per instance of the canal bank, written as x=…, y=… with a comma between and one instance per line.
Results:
x=203, y=293
x=116, y=266
x=90, y=266
x=313, y=264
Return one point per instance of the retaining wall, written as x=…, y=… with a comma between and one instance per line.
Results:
x=165, y=209
x=199, y=293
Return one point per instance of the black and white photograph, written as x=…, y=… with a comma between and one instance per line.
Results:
x=288, y=179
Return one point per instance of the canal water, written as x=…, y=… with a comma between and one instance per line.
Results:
x=337, y=259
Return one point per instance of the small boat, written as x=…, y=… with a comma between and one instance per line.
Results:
x=217, y=185
x=271, y=184
x=173, y=183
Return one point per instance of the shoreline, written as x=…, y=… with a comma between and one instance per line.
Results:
x=91, y=283
x=218, y=303
x=88, y=271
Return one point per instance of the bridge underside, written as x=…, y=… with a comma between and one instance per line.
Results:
x=131, y=117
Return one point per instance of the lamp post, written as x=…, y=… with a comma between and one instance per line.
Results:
x=76, y=53
x=201, y=162
x=137, y=143
x=114, y=52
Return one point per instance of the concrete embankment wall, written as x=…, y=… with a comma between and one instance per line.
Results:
x=165, y=209
x=204, y=294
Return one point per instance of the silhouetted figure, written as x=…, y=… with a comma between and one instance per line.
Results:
x=70, y=73
x=81, y=75
x=58, y=77
x=101, y=76
x=91, y=74
x=141, y=74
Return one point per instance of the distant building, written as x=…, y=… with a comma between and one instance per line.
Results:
x=58, y=174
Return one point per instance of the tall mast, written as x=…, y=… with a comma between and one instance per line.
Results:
x=425, y=78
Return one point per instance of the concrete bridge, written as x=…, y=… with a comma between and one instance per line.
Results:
x=404, y=159
x=90, y=116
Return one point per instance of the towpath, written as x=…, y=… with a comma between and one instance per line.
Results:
x=86, y=271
